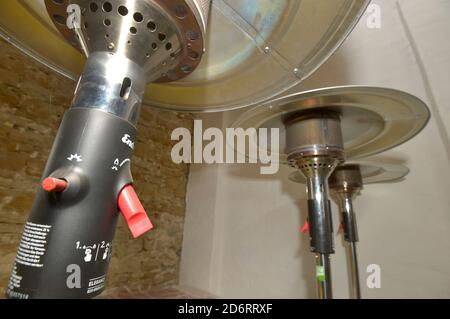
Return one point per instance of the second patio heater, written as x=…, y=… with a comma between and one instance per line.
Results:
x=319, y=129
x=346, y=182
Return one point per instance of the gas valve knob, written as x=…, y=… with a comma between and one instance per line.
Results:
x=54, y=185
x=133, y=212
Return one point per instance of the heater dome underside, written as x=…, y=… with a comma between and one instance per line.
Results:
x=254, y=50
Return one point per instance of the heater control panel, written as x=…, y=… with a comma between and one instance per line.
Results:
x=67, y=243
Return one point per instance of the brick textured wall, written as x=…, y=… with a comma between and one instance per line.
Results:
x=32, y=102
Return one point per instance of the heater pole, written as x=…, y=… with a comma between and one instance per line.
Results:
x=351, y=238
x=324, y=286
x=345, y=183
x=355, y=285
x=321, y=229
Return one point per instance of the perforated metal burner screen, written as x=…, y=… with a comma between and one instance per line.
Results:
x=254, y=49
x=371, y=172
x=164, y=38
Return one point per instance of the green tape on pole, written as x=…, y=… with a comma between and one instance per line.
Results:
x=320, y=273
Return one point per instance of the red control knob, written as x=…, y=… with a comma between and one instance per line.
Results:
x=51, y=184
x=305, y=228
x=133, y=212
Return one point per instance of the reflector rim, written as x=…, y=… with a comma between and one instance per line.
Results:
x=385, y=172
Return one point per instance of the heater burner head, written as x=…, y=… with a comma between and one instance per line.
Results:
x=315, y=166
x=372, y=119
x=357, y=173
x=166, y=38
x=313, y=134
x=346, y=177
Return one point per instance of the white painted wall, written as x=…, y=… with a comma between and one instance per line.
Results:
x=241, y=233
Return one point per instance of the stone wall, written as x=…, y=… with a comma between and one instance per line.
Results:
x=32, y=102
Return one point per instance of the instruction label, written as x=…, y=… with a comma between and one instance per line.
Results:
x=33, y=245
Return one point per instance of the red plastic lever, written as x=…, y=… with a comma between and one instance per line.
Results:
x=51, y=184
x=305, y=228
x=133, y=212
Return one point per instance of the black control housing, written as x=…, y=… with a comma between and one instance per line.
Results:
x=66, y=246
x=320, y=227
